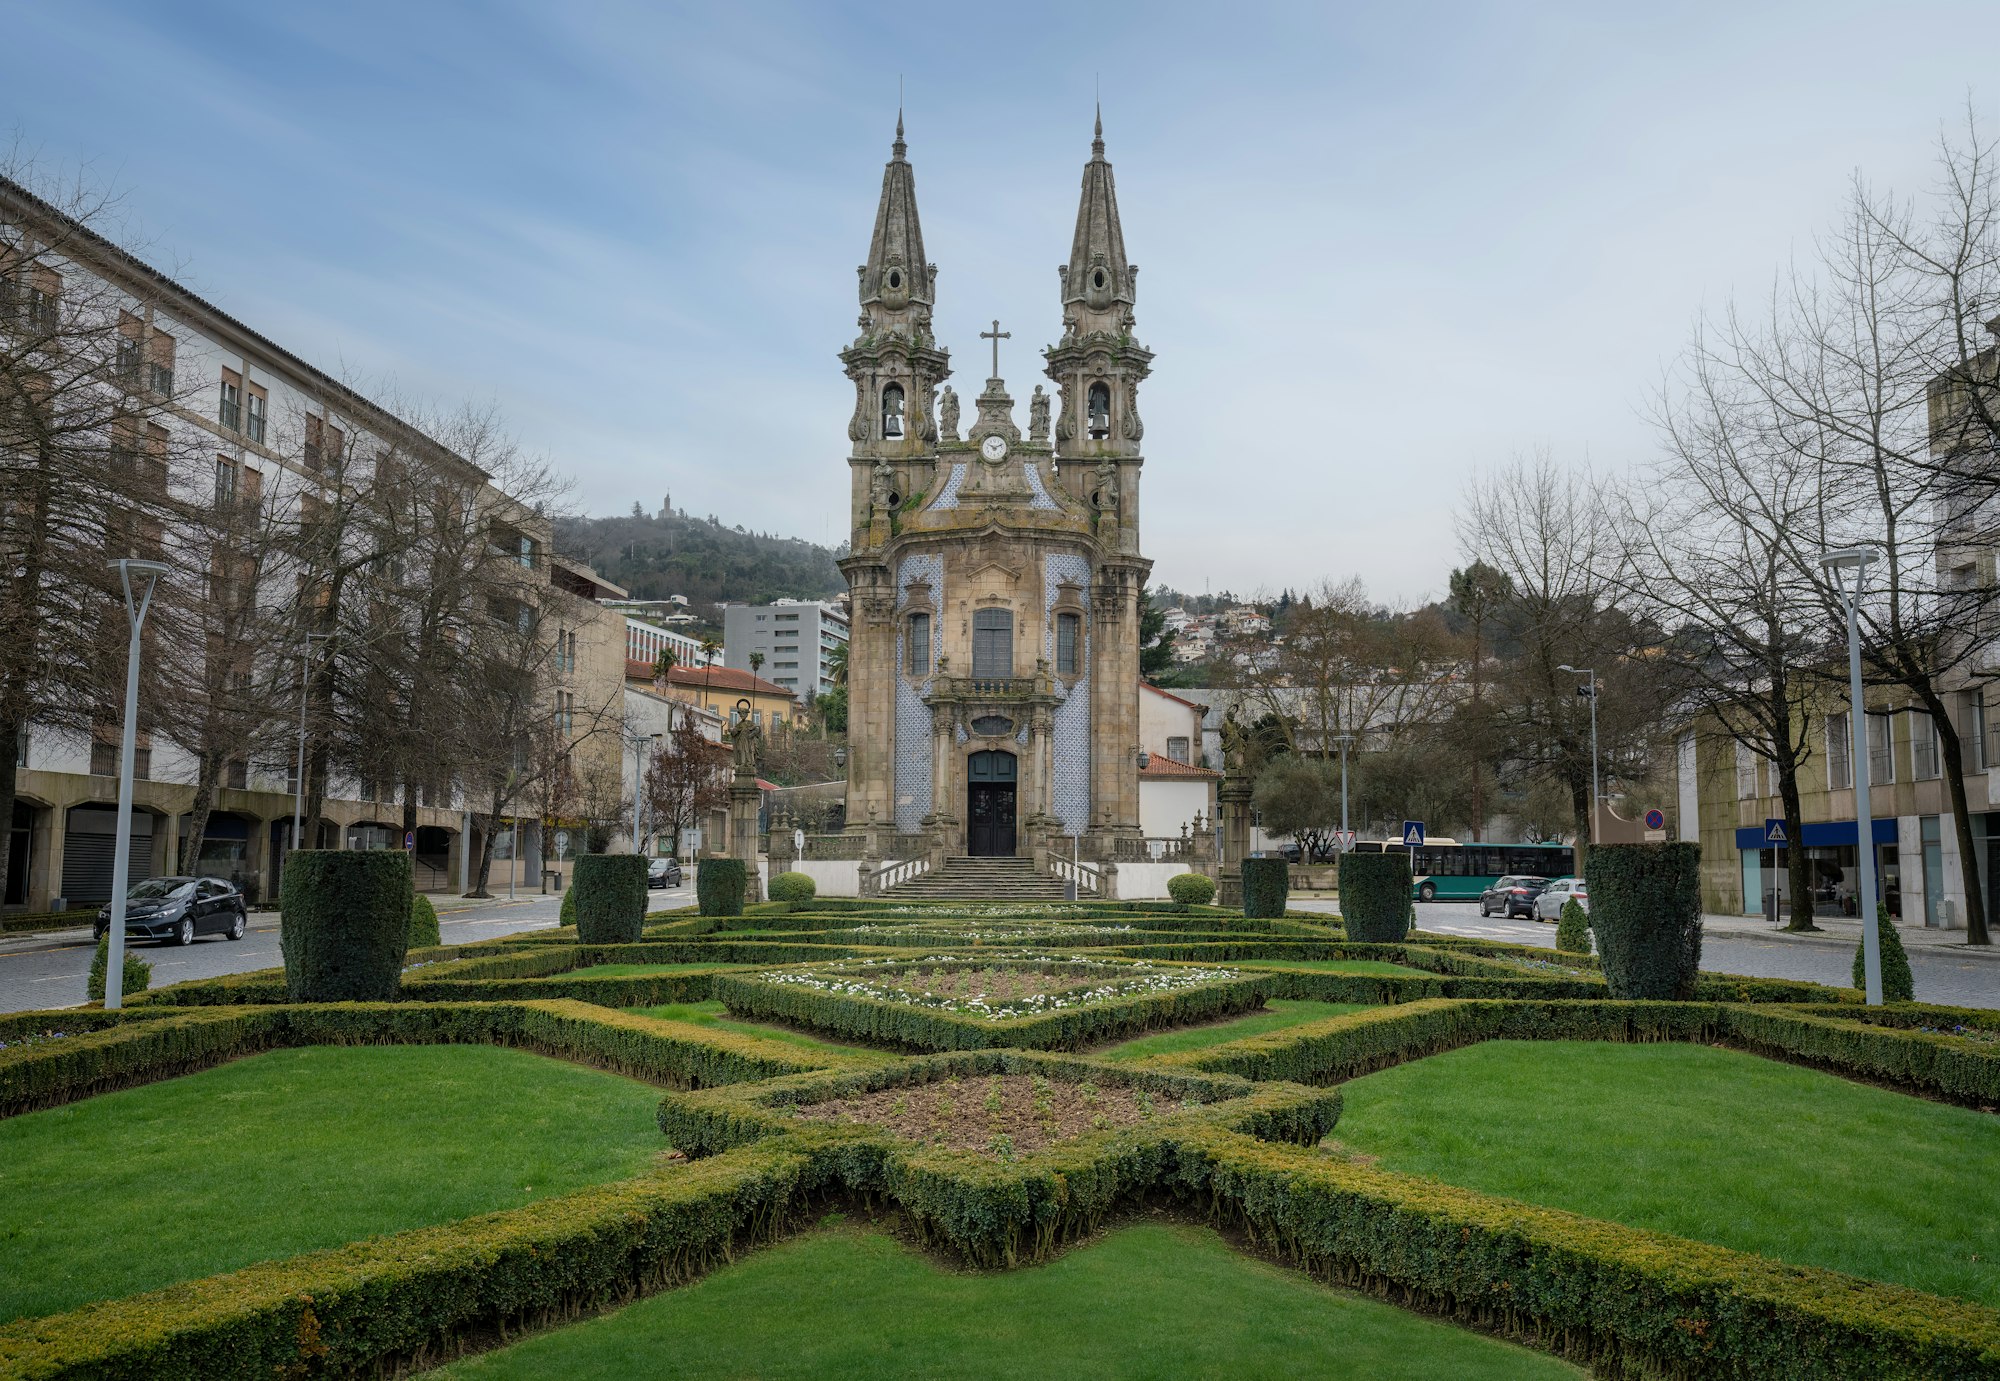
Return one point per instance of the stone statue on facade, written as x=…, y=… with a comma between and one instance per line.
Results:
x=881, y=487
x=948, y=414
x=1038, y=415
x=1104, y=482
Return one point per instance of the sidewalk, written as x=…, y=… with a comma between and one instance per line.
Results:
x=446, y=904
x=1845, y=932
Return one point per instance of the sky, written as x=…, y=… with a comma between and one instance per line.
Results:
x=1384, y=246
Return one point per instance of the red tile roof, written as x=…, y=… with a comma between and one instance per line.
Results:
x=1191, y=704
x=708, y=678
x=1160, y=765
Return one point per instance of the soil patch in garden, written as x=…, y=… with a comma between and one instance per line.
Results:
x=998, y=1115
x=1003, y=983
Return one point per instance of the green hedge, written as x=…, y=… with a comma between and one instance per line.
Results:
x=365, y=1308
x=346, y=925
x=1375, y=896
x=1645, y=909
x=1898, y=983
x=566, y=913
x=719, y=886
x=1573, y=928
x=1191, y=889
x=1626, y=1301
x=1267, y=886
x=423, y=923
x=792, y=887
x=135, y=974
x=610, y=898
x=908, y=1027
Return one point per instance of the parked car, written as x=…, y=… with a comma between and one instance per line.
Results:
x=663, y=872
x=1549, y=903
x=1513, y=895
x=178, y=909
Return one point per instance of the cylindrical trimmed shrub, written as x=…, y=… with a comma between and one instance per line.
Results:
x=792, y=887
x=610, y=898
x=1267, y=885
x=1191, y=889
x=423, y=923
x=1645, y=909
x=719, y=884
x=1573, y=928
x=138, y=973
x=566, y=915
x=1898, y=983
x=346, y=924
x=1375, y=896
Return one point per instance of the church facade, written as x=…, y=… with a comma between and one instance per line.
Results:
x=993, y=665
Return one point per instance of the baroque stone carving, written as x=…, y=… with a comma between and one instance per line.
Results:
x=948, y=413
x=1038, y=415
x=1133, y=428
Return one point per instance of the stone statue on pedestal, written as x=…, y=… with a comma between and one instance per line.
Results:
x=1038, y=415
x=948, y=414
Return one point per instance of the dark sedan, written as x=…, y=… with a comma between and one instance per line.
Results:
x=663, y=872
x=176, y=910
x=1512, y=896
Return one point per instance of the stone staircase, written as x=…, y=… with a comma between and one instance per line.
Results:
x=980, y=879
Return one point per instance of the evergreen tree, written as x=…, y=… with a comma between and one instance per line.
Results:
x=1898, y=983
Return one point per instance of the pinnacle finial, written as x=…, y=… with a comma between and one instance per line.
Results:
x=1097, y=136
x=899, y=146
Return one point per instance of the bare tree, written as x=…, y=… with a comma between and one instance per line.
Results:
x=686, y=780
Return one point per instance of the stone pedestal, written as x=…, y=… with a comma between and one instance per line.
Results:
x=1234, y=796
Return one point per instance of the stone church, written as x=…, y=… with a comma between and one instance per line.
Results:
x=993, y=671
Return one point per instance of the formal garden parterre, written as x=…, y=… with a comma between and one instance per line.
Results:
x=1475, y=1133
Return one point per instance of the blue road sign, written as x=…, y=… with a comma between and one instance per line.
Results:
x=1774, y=833
x=1656, y=819
x=1413, y=834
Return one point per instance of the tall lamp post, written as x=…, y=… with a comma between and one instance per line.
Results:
x=1589, y=688
x=145, y=575
x=1837, y=564
x=1345, y=741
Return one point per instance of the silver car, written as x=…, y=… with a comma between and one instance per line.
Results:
x=1549, y=905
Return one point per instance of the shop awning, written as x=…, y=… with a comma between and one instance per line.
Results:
x=1822, y=834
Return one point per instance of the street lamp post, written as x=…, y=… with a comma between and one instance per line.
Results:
x=1837, y=564
x=1345, y=741
x=1589, y=688
x=148, y=574
x=299, y=783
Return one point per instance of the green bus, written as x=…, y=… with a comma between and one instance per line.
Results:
x=1446, y=870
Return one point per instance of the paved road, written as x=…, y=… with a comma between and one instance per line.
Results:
x=1957, y=980
x=40, y=974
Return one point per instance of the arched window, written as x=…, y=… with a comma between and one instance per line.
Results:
x=992, y=644
x=917, y=645
x=892, y=412
x=1100, y=412
x=1067, y=628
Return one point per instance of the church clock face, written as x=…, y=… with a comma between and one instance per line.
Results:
x=994, y=448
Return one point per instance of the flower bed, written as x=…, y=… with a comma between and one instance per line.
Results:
x=1000, y=1116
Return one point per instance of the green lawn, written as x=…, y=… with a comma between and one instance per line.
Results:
x=295, y=1150
x=634, y=970
x=1277, y=1014
x=1710, y=1144
x=1150, y=1301
x=716, y=1015
x=1365, y=966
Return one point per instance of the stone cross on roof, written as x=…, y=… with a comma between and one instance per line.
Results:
x=996, y=335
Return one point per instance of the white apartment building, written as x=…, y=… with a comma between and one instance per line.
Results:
x=794, y=640
x=646, y=640
x=234, y=417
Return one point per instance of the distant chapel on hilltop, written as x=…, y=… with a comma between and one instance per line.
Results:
x=993, y=669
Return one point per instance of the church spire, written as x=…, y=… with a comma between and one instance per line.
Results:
x=1098, y=283
x=897, y=281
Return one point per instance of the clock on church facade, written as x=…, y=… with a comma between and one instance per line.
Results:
x=993, y=666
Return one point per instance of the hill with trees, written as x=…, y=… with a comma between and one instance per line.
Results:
x=674, y=553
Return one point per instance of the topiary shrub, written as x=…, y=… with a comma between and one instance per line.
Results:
x=1191, y=889
x=567, y=913
x=1267, y=885
x=346, y=924
x=1573, y=928
x=792, y=887
x=610, y=898
x=1898, y=983
x=1375, y=897
x=1645, y=909
x=719, y=884
x=138, y=973
x=423, y=923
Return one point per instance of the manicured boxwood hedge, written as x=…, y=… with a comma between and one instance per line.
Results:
x=790, y=887
x=346, y=924
x=1191, y=889
x=719, y=886
x=610, y=898
x=423, y=923
x=1645, y=909
x=1626, y=1301
x=1267, y=886
x=1375, y=896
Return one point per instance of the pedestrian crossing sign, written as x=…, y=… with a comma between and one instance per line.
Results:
x=1774, y=833
x=1413, y=834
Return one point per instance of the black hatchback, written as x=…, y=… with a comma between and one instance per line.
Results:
x=178, y=909
x=1513, y=895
